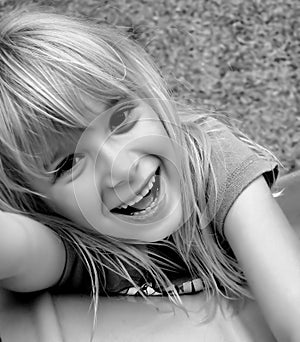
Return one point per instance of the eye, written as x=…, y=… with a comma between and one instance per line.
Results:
x=65, y=166
x=120, y=119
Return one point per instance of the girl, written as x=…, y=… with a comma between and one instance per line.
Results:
x=107, y=185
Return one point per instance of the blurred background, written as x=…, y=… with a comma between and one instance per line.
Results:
x=234, y=56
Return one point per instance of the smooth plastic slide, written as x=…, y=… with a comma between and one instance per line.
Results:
x=46, y=318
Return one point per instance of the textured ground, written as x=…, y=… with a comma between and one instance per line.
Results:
x=242, y=57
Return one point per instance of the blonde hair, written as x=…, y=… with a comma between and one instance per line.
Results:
x=46, y=60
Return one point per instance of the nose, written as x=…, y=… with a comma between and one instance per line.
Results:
x=115, y=164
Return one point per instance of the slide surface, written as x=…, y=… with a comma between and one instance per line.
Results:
x=47, y=318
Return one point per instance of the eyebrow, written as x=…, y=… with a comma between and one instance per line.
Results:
x=93, y=106
x=47, y=162
x=56, y=155
x=62, y=148
x=60, y=151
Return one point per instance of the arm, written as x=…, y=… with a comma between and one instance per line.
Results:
x=32, y=257
x=269, y=251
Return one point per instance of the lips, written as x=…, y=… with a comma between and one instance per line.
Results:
x=142, y=203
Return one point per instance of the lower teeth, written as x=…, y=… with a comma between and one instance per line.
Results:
x=147, y=210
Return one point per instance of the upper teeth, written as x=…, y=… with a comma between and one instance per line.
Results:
x=141, y=195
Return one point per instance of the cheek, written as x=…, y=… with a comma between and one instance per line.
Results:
x=77, y=203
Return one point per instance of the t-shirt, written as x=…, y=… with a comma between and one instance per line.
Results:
x=234, y=166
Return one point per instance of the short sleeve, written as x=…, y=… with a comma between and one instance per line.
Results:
x=75, y=277
x=234, y=165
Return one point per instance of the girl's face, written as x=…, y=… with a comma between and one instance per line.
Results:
x=120, y=176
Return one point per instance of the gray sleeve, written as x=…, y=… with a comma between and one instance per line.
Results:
x=234, y=166
x=75, y=277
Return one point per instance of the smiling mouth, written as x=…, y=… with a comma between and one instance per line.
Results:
x=145, y=204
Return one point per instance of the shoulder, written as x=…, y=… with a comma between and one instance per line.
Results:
x=34, y=255
x=235, y=163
